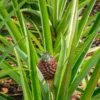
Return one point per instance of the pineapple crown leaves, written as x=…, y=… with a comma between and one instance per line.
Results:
x=45, y=56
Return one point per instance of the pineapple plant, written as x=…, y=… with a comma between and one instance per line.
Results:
x=59, y=35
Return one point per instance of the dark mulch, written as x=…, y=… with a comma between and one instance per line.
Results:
x=10, y=88
x=96, y=8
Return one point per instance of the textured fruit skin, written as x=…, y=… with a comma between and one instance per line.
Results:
x=48, y=68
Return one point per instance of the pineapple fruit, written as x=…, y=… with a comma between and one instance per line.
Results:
x=47, y=65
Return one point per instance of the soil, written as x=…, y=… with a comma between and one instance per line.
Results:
x=10, y=88
x=96, y=8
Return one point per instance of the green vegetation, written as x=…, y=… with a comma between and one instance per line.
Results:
x=53, y=26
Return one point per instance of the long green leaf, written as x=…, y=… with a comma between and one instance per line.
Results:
x=97, y=97
x=14, y=75
x=44, y=87
x=13, y=30
x=18, y=14
x=96, y=92
x=6, y=72
x=5, y=97
x=62, y=25
x=46, y=27
x=24, y=81
x=83, y=4
x=84, y=71
x=54, y=12
x=12, y=13
x=92, y=83
x=61, y=7
x=70, y=51
x=32, y=61
x=84, y=19
x=5, y=54
x=5, y=41
x=81, y=53
x=60, y=63
x=92, y=18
